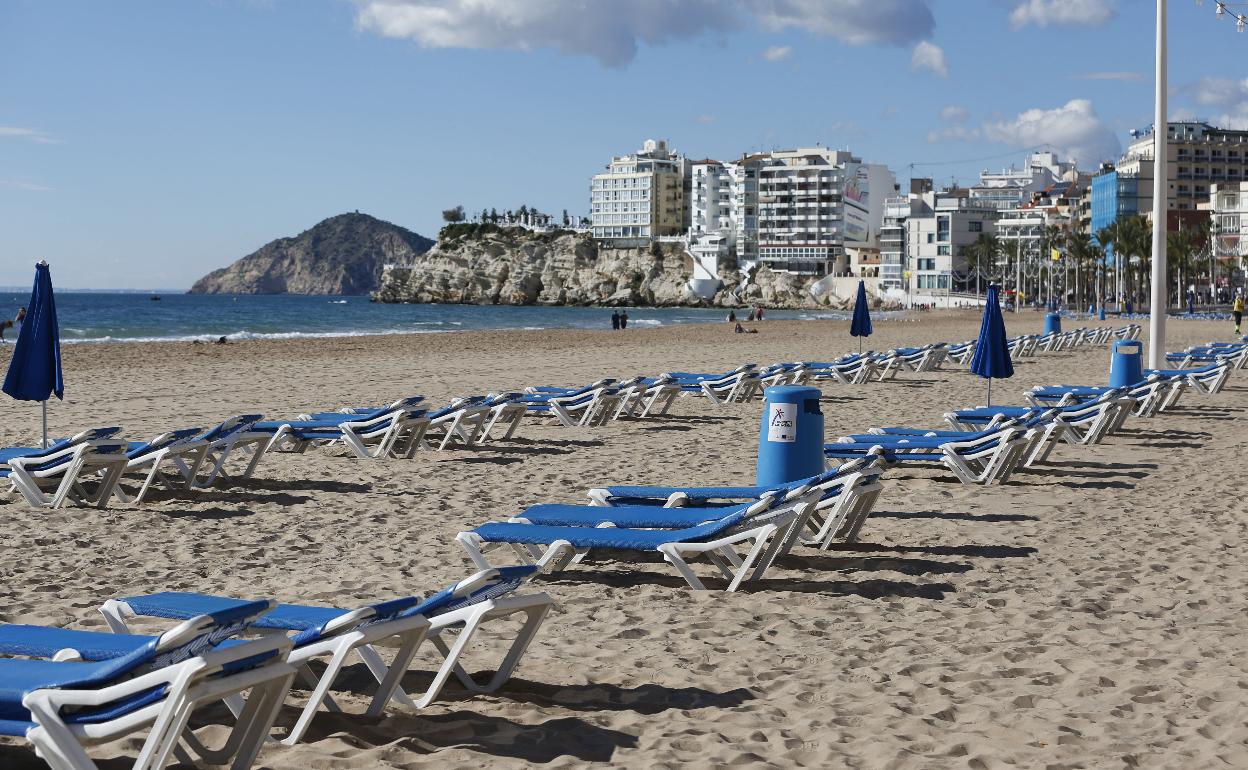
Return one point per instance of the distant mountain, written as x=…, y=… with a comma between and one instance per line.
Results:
x=341, y=255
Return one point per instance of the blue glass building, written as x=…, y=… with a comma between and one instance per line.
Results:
x=1114, y=197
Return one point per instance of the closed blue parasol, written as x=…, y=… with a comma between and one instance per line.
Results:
x=992, y=353
x=861, y=325
x=35, y=370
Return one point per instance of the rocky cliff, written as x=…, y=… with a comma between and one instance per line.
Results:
x=341, y=255
x=485, y=265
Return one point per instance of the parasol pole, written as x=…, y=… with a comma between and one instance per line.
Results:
x=45, y=423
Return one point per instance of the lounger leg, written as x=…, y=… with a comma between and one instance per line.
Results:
x=388, y=684
x=673, y=557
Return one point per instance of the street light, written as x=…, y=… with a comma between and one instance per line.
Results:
x=1161, y=203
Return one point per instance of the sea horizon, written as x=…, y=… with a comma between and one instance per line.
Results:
x=132, y=316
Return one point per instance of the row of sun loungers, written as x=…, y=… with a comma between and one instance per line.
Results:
x=64, y=689
x=90, y=468
x=986, y=444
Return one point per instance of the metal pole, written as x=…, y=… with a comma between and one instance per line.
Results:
x=1161, y=201
x=45, y=424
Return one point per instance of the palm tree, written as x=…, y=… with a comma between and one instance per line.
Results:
x=980, y=256
x=1081, y=251
x=1109, y=237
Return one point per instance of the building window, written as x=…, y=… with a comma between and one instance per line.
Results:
x=942, y=250
x=931, y=237
x=942, y=228
x=975, y=227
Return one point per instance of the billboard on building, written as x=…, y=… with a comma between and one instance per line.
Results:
x=856, y=196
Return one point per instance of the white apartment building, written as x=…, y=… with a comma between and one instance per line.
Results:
x=811, y=202
x=1012, y=187
x=894, y=259
x=640, y=197
x=937, y=241
x=1229, y=214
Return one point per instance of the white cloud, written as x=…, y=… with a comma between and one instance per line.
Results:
x=1074, y=130
x=1226, y=96
x=1110, y=76
x=1062, y=13
x=954, y=114
x=929, y=57
x=28, y=186
x=612, y=30
x=29, y=134
x=777, y=53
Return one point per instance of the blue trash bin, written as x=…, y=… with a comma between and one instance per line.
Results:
x=790, y=441
x=1126, y=366
x=1100, y=314
x=1053, y=323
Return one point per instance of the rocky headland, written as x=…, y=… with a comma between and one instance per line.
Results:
x=340, y=255
x=488, y=265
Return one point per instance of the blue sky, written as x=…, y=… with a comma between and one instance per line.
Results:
x=144, y=143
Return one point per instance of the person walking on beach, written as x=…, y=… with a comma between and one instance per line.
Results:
x=624, y=319
x=759, y=314
x=615, y=320
x=21, y=316
x=1237, y=309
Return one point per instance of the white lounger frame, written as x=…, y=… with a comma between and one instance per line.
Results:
x=105, y=457
x=61, y=744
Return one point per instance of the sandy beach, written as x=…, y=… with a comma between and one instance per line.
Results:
x=1089, y=614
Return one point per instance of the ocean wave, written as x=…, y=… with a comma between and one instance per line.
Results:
x=241, y=336
x=645, y=322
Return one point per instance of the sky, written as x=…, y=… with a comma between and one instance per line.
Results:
x=144, y=143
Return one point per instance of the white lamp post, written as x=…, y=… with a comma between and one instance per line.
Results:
x=1161, y=201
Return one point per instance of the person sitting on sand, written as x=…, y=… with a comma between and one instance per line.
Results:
x=742, y=330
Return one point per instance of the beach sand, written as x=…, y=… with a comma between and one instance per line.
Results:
x=1089, y=614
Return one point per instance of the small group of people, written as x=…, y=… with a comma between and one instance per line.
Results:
x=756, y=314
x=619, y=319
x=16, y=323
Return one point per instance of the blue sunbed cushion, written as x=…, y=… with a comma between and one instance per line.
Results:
x=634, y=516
x=603, y=537
x=693, y=493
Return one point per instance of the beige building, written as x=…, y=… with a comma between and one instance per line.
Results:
x=1198, y=154
x=641, y=196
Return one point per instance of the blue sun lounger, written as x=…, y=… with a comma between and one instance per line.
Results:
x=183, y=449
x=846, y=496
x=767, y=528
x=369, y=436
x=63, y=706
x=49, y=478
x=988, y=459
x=233, y=435
x=329, y=634
x=321, y=632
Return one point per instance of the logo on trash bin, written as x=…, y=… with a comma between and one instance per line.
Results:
x=782, y=423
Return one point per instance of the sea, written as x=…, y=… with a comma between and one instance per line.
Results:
x=97, y=317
